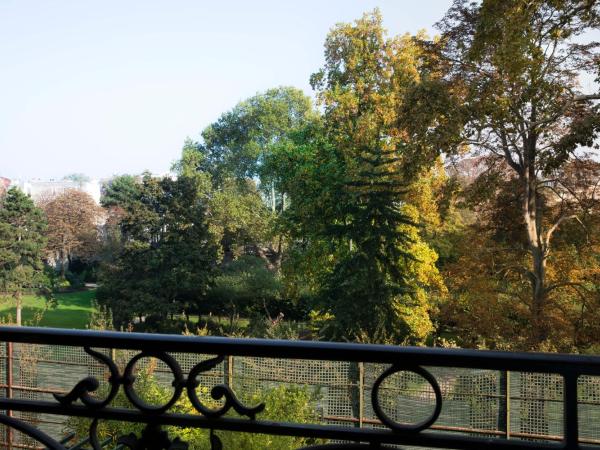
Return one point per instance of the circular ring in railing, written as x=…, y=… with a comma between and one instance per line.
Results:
x=129, y=379
x=406, y=427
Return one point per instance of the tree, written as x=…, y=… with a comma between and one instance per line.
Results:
x=238, y=142
x=120, y=191
x=510, y=72
x=244, y=287
x=234, y=151
x=348, y=185
x=167, y=258
x=240, y=221
x=237, y=217
x=490, y=305
x=73, y=227
x=22, y=241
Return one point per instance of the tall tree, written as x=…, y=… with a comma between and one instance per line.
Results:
x=22, y=242
x=351, y=186
x=120, y=191
x=237, y=217
x=74, y=220
x=233, y=155
x=490, y=305
x=512, y=68
x=167, y=257
x=238, y=142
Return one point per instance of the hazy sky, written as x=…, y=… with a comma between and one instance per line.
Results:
x=108, y=87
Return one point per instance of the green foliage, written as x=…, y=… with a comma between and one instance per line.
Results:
x=121, y=191
x=75, y=280
x=239, y=186
x=148, y=390
x=245, y=286
x=101, y=318
x=347, y=181
x=238, y=142
x=282, y=403
x=22, y=242
x=275, y=328
x=165, y=264
x=239, y=217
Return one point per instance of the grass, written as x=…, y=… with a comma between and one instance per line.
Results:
x=72, y=311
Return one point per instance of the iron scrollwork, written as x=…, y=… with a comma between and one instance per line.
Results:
x=84, y=399
x=32, y=432
x=153, y=437
x=83, y=389
x=88, y=385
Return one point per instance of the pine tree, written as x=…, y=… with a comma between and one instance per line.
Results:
x=375, y=289
x=165, y=264
x=22, y=242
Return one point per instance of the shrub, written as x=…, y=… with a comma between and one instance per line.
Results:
x=75, y=280
x=101, y=318
x=244, y=286
x=282, y=403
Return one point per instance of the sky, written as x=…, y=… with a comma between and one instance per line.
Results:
x=110, y=87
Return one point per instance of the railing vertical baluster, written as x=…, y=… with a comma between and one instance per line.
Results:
x=570, y=411
x=9, y=391
x=229, y=372
x=507, y=402
x=361, y=393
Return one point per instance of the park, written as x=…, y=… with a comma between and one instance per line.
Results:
x=367, y=227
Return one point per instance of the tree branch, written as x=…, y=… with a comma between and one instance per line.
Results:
x=583, y=98
x=553, y=228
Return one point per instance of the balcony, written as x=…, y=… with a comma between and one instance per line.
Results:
x=366, y=396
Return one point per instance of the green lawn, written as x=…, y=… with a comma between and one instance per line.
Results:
x=73, y=310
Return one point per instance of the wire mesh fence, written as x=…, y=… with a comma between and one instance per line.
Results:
x=494, y=404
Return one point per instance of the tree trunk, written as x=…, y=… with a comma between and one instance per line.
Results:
x=279, y=254
x=63, y=264
x=532, y=212
x=273, y=197
x=19, y=310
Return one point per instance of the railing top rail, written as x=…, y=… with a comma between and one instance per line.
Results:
x=314, y=350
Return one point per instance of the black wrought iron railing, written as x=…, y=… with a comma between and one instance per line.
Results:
x=233, y=415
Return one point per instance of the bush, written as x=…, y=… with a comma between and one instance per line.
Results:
x=101, y=318
x=157, y=324
x=278, y=328
x=75, y=280
x=245, y=286
x=282, y=403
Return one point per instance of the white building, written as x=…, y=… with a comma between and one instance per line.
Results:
x=38, y=189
